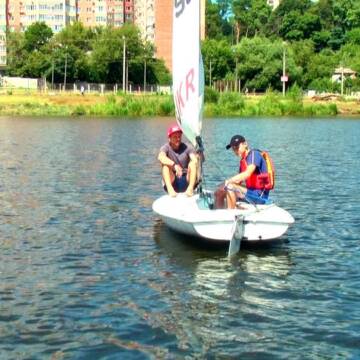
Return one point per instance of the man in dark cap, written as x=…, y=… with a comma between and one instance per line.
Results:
x=252, y=181
x=179, y=164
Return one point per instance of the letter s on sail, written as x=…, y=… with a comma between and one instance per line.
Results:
x=180, y=6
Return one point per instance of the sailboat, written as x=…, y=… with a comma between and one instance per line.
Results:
x=195, y=215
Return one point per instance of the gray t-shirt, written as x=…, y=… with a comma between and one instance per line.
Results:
x=181, y=156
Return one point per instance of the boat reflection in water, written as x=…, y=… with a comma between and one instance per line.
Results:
x=224, y=302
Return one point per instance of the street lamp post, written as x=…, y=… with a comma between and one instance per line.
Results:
x=124, y=60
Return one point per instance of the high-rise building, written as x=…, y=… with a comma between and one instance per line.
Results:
x=153, y=17
x=144, y=18
x=93, y=13
x=55, y=13
x=59, y=13
x=3, y=26
x=163, y=29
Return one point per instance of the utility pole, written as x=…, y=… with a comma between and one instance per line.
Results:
x=124, y=60
x=210, y=80
x=236, y=75
x=52, y=74
x=284, y=77
x=145, y=75
x=65, y=71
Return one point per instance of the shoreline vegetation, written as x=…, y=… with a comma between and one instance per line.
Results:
x=229, y=104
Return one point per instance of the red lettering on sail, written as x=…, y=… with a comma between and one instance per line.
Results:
x=189, y=83
x=179, y=98
x=189, y=86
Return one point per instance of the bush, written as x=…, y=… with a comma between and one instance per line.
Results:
x=295, y=93
x=211, y=95
x=231, y=101
x=79, y=110
x=166, y=107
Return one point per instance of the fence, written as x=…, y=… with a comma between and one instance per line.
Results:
x=10, y=83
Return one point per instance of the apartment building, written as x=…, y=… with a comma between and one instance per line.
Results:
x=163, y=29
x=153, y=17
x=144, y=18
x=55, y=13
x=3, y=25
x=59, y=13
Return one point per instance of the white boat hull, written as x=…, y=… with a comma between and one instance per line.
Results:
x=191, y=216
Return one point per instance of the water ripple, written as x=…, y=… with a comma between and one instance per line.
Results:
x=88, y=271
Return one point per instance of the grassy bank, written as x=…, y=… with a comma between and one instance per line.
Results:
x=23, y=103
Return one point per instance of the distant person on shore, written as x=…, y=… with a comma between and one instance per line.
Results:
x=82, y=90
x=254, y=180
x=179, y=164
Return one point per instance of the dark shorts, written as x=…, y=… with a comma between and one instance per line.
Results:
x=180, y=184
x=257, y=196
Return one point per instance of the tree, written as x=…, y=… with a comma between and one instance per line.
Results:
x=16, y=53
x=218, y=57
x=241, y=11
x=217, y=26
x=353, y=36
x=297, y=26
x=321, y=67
x=36, y=36
x=260, y=63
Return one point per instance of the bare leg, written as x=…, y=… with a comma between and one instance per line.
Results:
x=232, y=195
x=191, y=178
x=168, y=177
x=231, y=199
x=220, y=196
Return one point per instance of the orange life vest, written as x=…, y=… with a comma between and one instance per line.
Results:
x=260, y=181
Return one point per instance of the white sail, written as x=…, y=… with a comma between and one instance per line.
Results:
x=187, y=67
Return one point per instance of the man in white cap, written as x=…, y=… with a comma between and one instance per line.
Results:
x=179, y=164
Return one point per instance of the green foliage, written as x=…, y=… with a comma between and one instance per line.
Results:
x=270, y=104
x=211, y=95
x=320, y=110
x=79, y=111
x=323, y=85
x=159, y=74
x=295, y=93
x=297, y=26
x=36, y=36
x=261, y=63
x=166, y=108
x=320, y=67
x=353, y=36
x=217, y=26
x=251, y=17
x=245, y=41
x=218, y=59
x=231, y=102
x=92, y=55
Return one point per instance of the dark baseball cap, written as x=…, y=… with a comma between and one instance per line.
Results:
x=236, y=140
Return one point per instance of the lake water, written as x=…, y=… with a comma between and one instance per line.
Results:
x=88, y=271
